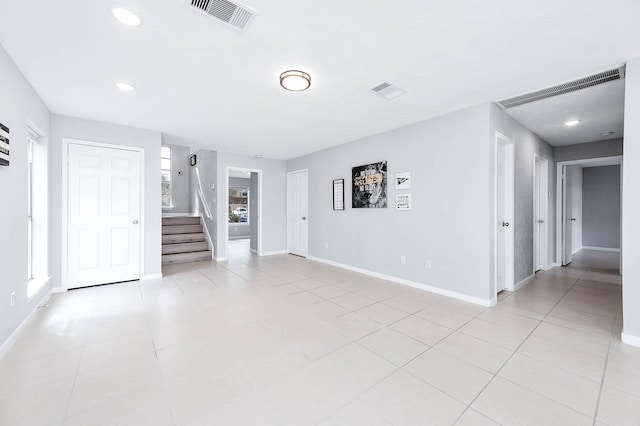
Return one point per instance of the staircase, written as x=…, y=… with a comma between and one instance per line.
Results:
x=183, y=240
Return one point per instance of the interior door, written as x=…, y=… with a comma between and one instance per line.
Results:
x=297, y=212
x=540, y=214
x=567, y=217
x=103, y=215
x=504, y=214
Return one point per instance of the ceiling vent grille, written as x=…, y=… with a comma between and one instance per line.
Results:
x=232, y=13
x=388, y=90
x=572, y=86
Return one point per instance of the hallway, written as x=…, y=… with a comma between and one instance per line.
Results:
x=285, y=340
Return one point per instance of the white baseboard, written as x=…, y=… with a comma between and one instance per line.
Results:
x=151, y=277
x=253, y=251
x=630, y=339
x=220, y=259
x=4, y=348
x=577, y=250
x=551, y=266
x=615, y=250
x=273, y=253
x=524, y=282
x=431, y=289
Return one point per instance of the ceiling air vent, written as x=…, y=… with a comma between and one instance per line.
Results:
x=388, y=90
x=560, y=89
x=232, y=13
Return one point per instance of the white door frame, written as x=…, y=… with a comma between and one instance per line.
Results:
x=541, y=203
x=288, y=175
x=64, y=259
x=559, y=198
x=225, y=188
x=501, y=139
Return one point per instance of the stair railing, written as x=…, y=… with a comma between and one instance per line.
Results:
x=203, y=200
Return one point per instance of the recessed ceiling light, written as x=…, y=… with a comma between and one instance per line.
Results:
x=125, y=87
x=606, y=133
x=126, y=16
x=295, y=81
x=571, y=123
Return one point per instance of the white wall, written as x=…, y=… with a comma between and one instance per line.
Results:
x=206, y=165
x=180, y=177
x=63, y=127
x=576, y=206
x=526, y=144
x=631, y=206
x=274, y=201
x=20, y=106
x=449, y=161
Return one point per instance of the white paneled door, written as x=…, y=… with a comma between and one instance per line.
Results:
x=567, y=217
x=297, y=212
x=504, y=214
x=103, y=215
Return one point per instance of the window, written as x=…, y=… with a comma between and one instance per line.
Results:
x=165, y=154
x=238, y=205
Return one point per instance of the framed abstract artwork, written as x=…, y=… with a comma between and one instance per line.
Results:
x=369, y=186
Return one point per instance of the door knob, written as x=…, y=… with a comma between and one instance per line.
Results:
x=135, y=221
x=540, y=221
x=573, y=219
x=304, y=218
x=505, y=224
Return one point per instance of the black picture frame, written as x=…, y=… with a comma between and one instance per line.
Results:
x=369, y=186
x=192, y=160
x=338, y=194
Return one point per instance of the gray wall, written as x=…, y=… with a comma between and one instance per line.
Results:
x=20, y=106
x=631, y=207
x=206, y=164
x=180, y=183
x=240, y=230
x=64, y=127
x=601, y=207
x=527, y=144
x=608, y=148
x=274, y=203
x=449, y=161
x=576, y=206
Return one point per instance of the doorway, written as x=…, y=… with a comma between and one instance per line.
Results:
x=297, y=212
x=103, y=214
x=570, y=235
x=243, y=209
x=504, y=208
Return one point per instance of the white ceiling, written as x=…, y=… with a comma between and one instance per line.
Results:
x=205, y=84
x=600, y=109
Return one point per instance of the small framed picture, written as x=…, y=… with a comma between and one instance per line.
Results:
x=192, y=160
x=4, y=145
x=338, y=194
x=403, y=201
x=403, y=180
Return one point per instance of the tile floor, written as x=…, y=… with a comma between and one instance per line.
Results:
x=283, y=340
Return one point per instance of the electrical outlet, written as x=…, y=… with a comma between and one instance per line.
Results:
x=13, y=299
x=403, y=260
x=428, y=264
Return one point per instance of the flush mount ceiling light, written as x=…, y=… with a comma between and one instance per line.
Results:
x=126, y=16
x=571, y=123
x=295, y=81
x=606, y=133
x=125, y=87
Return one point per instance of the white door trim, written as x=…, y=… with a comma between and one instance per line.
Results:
x=541, y=246
x=64, y=261
x=501, y=139
x=559, y=199
x=288, y=218
x=225, y=188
